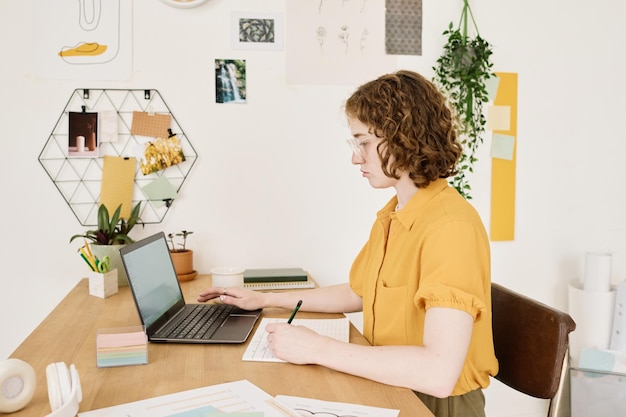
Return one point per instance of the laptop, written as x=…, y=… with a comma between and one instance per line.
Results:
x=162, y=307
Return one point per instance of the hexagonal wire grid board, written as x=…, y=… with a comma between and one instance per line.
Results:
x=79, y=179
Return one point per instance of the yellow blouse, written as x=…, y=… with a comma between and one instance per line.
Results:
x=432, y=253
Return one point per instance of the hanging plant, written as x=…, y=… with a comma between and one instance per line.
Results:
x=461, y=73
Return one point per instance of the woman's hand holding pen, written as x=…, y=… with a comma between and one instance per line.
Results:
x=295, y=344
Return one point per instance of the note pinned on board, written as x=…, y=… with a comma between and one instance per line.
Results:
x=491, y=84
x=159, y=191
x=118, y=179
x=499, y=117
x=502, y=146
x=154, y=125
x=108, y=126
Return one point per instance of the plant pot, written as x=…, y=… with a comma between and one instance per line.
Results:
x=113, y=252
x=183, y=264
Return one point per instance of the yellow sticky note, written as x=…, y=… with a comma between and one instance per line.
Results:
x=118, y=179
x=498, y=117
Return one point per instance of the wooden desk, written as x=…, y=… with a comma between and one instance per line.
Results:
x=68, y=334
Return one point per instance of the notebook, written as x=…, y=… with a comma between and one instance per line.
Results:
x=271, y=286
x=274, y=275
x=162, y=307
x=276, y=279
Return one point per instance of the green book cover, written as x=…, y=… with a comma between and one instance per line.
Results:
x=274, y=275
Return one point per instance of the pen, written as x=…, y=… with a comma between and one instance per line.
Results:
x=295, y=310
x=89, y=259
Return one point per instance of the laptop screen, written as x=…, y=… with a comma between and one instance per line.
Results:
x=152, y=277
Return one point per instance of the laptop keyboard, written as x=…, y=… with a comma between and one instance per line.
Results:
x=199, y=322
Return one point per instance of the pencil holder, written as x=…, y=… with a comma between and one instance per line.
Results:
x=103, y=285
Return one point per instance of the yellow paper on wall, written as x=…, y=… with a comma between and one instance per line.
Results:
x=503, y=169
x=118, y=179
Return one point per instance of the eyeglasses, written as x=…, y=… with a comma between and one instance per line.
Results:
x=355, y=145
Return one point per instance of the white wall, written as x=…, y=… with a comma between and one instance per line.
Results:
x=273, y=184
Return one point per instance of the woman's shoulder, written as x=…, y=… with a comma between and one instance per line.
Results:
x=450, y=206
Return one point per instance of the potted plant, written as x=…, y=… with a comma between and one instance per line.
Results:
x=111, y=234
x=182, y=258
x=461, y=73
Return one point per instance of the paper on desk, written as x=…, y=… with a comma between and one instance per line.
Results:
x=232, y=397
x=309, y=406
x=211, y=412
x=258, y=349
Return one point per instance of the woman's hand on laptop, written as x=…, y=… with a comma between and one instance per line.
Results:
x=237, y=296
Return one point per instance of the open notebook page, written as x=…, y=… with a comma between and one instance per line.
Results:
x=259, y=351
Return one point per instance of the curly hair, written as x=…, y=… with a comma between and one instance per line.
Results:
x=416, y=127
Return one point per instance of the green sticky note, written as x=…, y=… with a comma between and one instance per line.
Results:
x=502, y=146
x=491, y=85
x=159, y=190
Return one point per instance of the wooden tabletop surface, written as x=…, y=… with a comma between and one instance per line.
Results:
x=68, y=335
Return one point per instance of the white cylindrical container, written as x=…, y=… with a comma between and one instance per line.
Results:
x=593, y=313
x=597, y=275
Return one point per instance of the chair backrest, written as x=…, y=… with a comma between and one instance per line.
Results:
x=531, y=342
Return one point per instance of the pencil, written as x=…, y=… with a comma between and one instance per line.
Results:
x=82, y=255
x=88, y=249
x=295, y=310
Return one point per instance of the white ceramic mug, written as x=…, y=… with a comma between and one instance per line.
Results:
x=227, y=276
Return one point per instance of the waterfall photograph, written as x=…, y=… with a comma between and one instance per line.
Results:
x=230, y=81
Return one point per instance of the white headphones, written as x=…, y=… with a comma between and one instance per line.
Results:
x=64, y=390
x=18, y=382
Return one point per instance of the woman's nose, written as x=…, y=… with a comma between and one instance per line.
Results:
x=357, y=158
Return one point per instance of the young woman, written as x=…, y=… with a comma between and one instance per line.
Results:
x=422, y=280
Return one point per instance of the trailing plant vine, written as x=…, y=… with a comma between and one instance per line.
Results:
x=461, y=73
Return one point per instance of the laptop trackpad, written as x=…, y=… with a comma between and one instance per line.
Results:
x=235, y=329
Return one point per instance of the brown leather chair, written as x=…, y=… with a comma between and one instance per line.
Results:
x=531, y=344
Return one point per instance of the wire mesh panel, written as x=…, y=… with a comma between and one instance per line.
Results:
x=76, y=167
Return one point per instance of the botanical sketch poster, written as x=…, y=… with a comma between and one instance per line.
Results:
x=83, y=39
x=336, y=41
